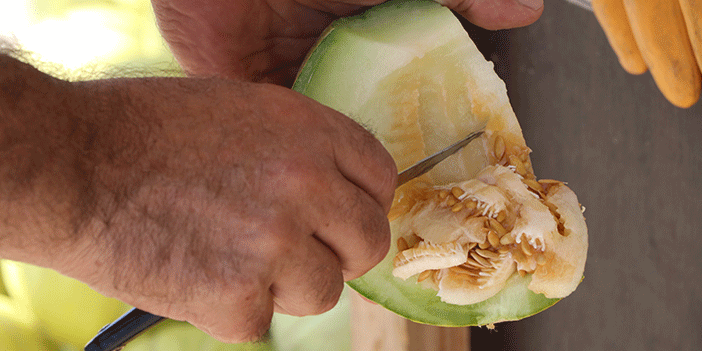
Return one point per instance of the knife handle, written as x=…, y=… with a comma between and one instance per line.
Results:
x=115, y=335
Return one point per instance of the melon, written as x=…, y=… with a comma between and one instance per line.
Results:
x=477, y=240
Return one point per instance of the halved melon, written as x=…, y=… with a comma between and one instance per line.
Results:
x=477, y=240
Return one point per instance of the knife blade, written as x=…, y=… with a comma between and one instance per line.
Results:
x=428, y=163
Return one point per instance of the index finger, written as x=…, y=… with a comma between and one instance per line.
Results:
x=363, y=160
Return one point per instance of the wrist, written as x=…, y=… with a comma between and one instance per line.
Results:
x=43, y=164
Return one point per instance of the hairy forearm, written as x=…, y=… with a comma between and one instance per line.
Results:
x=45, y=163
x=74, y=154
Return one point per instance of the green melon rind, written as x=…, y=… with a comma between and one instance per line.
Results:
x=408, y=299
x=341, y=71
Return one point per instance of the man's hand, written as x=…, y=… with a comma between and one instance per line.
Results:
x=204, y=200
x=266, y=40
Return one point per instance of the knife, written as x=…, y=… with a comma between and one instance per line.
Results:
x=114, y=336
x=428, y=163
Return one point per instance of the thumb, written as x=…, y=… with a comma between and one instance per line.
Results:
x=497, y=14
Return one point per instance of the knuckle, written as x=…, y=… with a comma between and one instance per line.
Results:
x=278, y=236
x=377, y=233
x=245, y=321
x=251, y=333
x=295, y=177
x=383, y=167
x=374, y=226
x=327, y=299
x=374, y=232
x=386, y=176
x=381, y=244
x=362, y=218
x=387, y=182
x=326, y=305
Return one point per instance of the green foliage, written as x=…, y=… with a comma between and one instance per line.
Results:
x=66, y=310
x=16, y=336
x=140, y=49
x=3, y=290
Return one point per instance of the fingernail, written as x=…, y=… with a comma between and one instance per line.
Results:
x=532, y=4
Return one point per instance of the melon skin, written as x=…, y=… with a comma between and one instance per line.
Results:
x=408, y=71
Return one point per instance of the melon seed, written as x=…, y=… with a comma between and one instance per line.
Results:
x=487, y=253
x=506, y=240
x=497, y=227
x=499, y=148
x=424, y=275
x=451, y=201
x=526, y=248
x=480, y=259
x=457, y=192
x=402, y=244
x=518, y=165
x=493, y=239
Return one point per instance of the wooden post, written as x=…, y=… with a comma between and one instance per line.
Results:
x=374, y=328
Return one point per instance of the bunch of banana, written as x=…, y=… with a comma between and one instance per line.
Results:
x=662, y=36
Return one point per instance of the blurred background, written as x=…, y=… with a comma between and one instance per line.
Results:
x=632, y=157
x=635, y=162
x=87, y=35
x=86, y=39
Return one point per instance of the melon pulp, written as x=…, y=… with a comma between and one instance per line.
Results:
x=408, y=71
